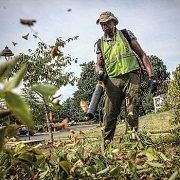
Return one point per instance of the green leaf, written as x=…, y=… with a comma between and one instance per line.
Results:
x=46, y=90
x=27, y=157
x=174, y=175
x=65, y=166
x=115, y=151
x=163, y=157
x=144, y=171
x=19, y=147
x=99, y=163
x=151, y=154
x=20, y=108
x=2, y=93
x=155, y=164
x=7, y=66
x=10, y=131
x=91, y=169
x=44, y=174
x=3, y=174
x=132, y=154
x=115, y=171
x=104, y=171
x=16, y=79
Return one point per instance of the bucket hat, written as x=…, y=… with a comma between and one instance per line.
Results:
x=106, y=16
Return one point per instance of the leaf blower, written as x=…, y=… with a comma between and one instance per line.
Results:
x=96, y=97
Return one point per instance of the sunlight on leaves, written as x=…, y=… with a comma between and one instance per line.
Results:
x=46, y=90
x=15, y=80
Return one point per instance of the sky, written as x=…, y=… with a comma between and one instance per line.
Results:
x=155, y=23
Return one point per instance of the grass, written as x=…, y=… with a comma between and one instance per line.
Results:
x=162, y=143
x=157, y=122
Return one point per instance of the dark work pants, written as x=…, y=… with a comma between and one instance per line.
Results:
x=125, y=86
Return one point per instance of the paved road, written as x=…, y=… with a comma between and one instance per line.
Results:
x=56, y=135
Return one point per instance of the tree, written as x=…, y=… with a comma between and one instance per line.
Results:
x=161, y=75
x=37, y=107
x=87, y=82
x=43, y=66
x=69, y=110
x=86, y=85
x=46, y=64
x=174, y=100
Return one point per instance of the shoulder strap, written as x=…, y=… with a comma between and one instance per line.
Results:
x=97, y=45
x=126, y=35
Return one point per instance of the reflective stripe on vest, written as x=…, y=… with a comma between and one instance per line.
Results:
x=119, y=57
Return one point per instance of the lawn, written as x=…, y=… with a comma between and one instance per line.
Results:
x=153, y=123
x=155, y=155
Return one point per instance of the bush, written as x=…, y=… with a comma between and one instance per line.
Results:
x=174, y=99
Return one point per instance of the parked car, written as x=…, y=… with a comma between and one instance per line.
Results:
x=23, y=130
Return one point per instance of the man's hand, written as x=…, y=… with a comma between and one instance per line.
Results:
x=99, y=63
x=100, y=74
x=153, y=84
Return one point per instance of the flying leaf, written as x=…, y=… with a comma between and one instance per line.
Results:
x=15, y=80
x=29, y=22
x=75, y=37
x=35, y=36
x=20, y=108
x=84, y=105
x=25, y=36
x=56, y=52
x=14, y=43
x=73, y=137
x=62, y=125
x=46, y=90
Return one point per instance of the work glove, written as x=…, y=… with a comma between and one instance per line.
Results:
x=153, y=84
x=102, y=76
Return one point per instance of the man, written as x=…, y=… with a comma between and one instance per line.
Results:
x=118, y=57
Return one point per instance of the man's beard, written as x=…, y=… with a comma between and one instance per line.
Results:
x=109, y=31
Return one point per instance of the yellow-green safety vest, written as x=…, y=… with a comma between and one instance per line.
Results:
x=119, y=57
